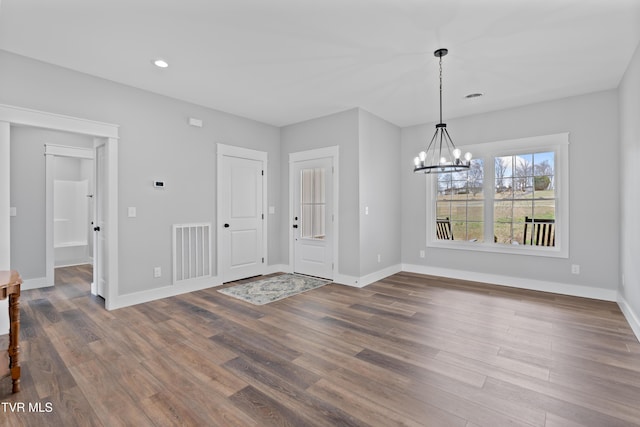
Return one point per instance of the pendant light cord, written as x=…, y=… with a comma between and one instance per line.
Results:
x=440, y=89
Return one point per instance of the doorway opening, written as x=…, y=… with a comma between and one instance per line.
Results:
x=71, y=200
x=104, y=135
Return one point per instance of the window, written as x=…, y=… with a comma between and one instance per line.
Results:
x=513, y=199
x=313, y=203
x=460, y=201
x=524, y=188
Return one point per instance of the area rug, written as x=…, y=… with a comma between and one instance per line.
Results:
x=274, y=288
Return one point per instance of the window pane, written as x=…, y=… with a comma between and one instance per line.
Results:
x=502, y=232
x=458, y=211
x=475, y=231
x=443, y=210
x=523, y=165
x=522, y=209
x=445, y=190
x=503, y=172
x=504, y=188
x=306, y=223
x=544, y=209
x=475, y=211
x=503, y=211
x=307, y=185
x=460, y=200
x=318, y=221
x=459, y=230
x=460, y=190
x=318, y=186
x=543, y=187
x=544, y=164
x=475, y=177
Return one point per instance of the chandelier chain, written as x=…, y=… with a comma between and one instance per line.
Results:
x=441, y=89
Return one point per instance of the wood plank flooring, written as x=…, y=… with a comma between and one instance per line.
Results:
x=409, y=350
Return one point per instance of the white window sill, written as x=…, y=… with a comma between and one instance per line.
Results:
x=528, y=250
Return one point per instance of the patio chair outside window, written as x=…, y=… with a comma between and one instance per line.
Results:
x=443, y=229
x=539, y=232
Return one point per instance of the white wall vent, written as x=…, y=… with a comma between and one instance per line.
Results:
x=191, y=251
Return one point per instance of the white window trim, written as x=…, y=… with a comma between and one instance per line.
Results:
x=559, y=144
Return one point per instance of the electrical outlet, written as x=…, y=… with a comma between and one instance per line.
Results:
x=422, y=254
x=379, y=258
x=575, y=268
x=157, y=272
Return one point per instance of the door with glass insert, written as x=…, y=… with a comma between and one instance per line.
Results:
x=313, y=218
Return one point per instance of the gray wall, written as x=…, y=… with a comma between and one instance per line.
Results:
x=155, y=142
x=379, y=180
x=28, y=192
x=592, y=121
x=339, y=129
x=629, y=179
x=369, y=176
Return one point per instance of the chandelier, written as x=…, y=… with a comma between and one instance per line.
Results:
x=441, y=155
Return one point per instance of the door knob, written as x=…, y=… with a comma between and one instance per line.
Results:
x=226, y=226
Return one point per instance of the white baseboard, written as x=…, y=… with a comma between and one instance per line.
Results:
x=127, y=300
x=362, y=281
x=71, y=263
x=345, y=279
x=632, y=317
x=516, y=282
x=37, y=283
x=379, y=275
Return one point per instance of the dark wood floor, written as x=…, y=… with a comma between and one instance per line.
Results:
x=409, y=350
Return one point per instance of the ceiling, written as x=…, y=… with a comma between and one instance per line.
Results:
x=285, y=61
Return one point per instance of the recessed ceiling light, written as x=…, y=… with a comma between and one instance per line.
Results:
x=160, y=63
x=474, y=95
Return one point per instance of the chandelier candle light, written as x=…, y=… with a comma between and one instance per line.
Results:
x=441, y=154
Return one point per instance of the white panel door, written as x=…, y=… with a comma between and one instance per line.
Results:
x=100, y=209
x=313, y=218
x=242, y=218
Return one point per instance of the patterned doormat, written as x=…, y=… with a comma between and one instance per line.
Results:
x=274, y=288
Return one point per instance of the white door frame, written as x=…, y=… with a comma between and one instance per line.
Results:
x=51, y=151
x=27, y=117
x=327, y=152
x=243, y=153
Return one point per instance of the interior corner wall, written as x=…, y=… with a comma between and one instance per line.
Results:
x=629, y=94
x=339, y=129
x=156, y=142
x=379, y=198
x=594, y=198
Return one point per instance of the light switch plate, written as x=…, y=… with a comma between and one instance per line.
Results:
x=132, y=213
